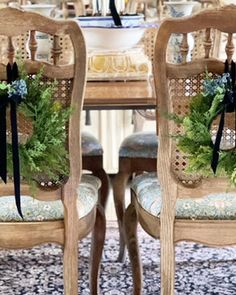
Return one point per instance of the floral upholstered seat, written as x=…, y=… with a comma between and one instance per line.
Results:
x=139, y=145
x=90, y=145
x=220, y=206
x=35, y=210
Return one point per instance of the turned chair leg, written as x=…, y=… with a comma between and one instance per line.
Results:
x=119, y=185
x=104, y=191
x=130, y=225
x=97, y=245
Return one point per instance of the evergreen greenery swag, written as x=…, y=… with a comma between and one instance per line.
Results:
x=44, y=154
x=196, y=140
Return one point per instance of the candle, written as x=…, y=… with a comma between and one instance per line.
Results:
x=122, y=6
x=105, y=7
x=99, y=4
x=118, y=6
x=94, y=4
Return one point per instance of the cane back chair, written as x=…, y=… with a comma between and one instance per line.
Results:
x=67, y=212
x=178, y=206
x=92, y=150
x=138, y=151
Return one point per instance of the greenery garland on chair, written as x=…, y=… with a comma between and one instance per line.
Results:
x=196, y=140
x=44, y=153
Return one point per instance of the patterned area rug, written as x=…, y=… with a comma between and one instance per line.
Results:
x=199, y=269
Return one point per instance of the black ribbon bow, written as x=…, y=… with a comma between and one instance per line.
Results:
x=228, y=106
x=12, y=101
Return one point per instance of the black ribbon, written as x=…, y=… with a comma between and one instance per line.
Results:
x=12, y=101
x=228, y=106
x=114, y=13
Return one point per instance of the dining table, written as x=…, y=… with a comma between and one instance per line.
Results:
x=119, y=95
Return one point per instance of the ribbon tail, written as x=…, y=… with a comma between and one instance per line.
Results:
x=216, y=148
x=115, y=14
x=15, y=73
x=234, y=99
x=226, y=66
x=9, y=73
x=15, y=158
x=235, y=122
x=3, y=144
x=232, y=73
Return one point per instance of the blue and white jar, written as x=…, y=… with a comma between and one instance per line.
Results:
x=179, y=9
x=43, y=40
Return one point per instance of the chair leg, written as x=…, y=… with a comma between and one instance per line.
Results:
x=70, y=262
x=119, y=185
x=130, y=225
x=104, y=191
x=97, y=245
x=167, y=258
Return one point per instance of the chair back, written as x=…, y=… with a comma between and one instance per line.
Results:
x=175, y=85
x=18, y=34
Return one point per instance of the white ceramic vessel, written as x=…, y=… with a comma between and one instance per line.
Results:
x=101, y=32
x=43, y=42
x=112, y=38
x=180, y=9
x=44, y=9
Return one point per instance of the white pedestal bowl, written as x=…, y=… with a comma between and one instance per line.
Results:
x=101, y=33
x=112, y=38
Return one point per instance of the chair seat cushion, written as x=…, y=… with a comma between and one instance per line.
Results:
x=90, y=145
x=139, y=145
x=35, y=210
x=220, y=206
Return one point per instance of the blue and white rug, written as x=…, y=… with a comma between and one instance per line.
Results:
x=199, y=270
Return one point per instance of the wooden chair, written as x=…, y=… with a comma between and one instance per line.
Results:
x=137, y=153
x=137, y=6
x=92, y=160
x=72, y=208
x=92, y=150
x=79, y=8
x=176, y=206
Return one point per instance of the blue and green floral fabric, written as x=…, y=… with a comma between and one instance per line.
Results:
x=139, y=145
x=90, y=145
x=35, y=210
x=214, y=206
